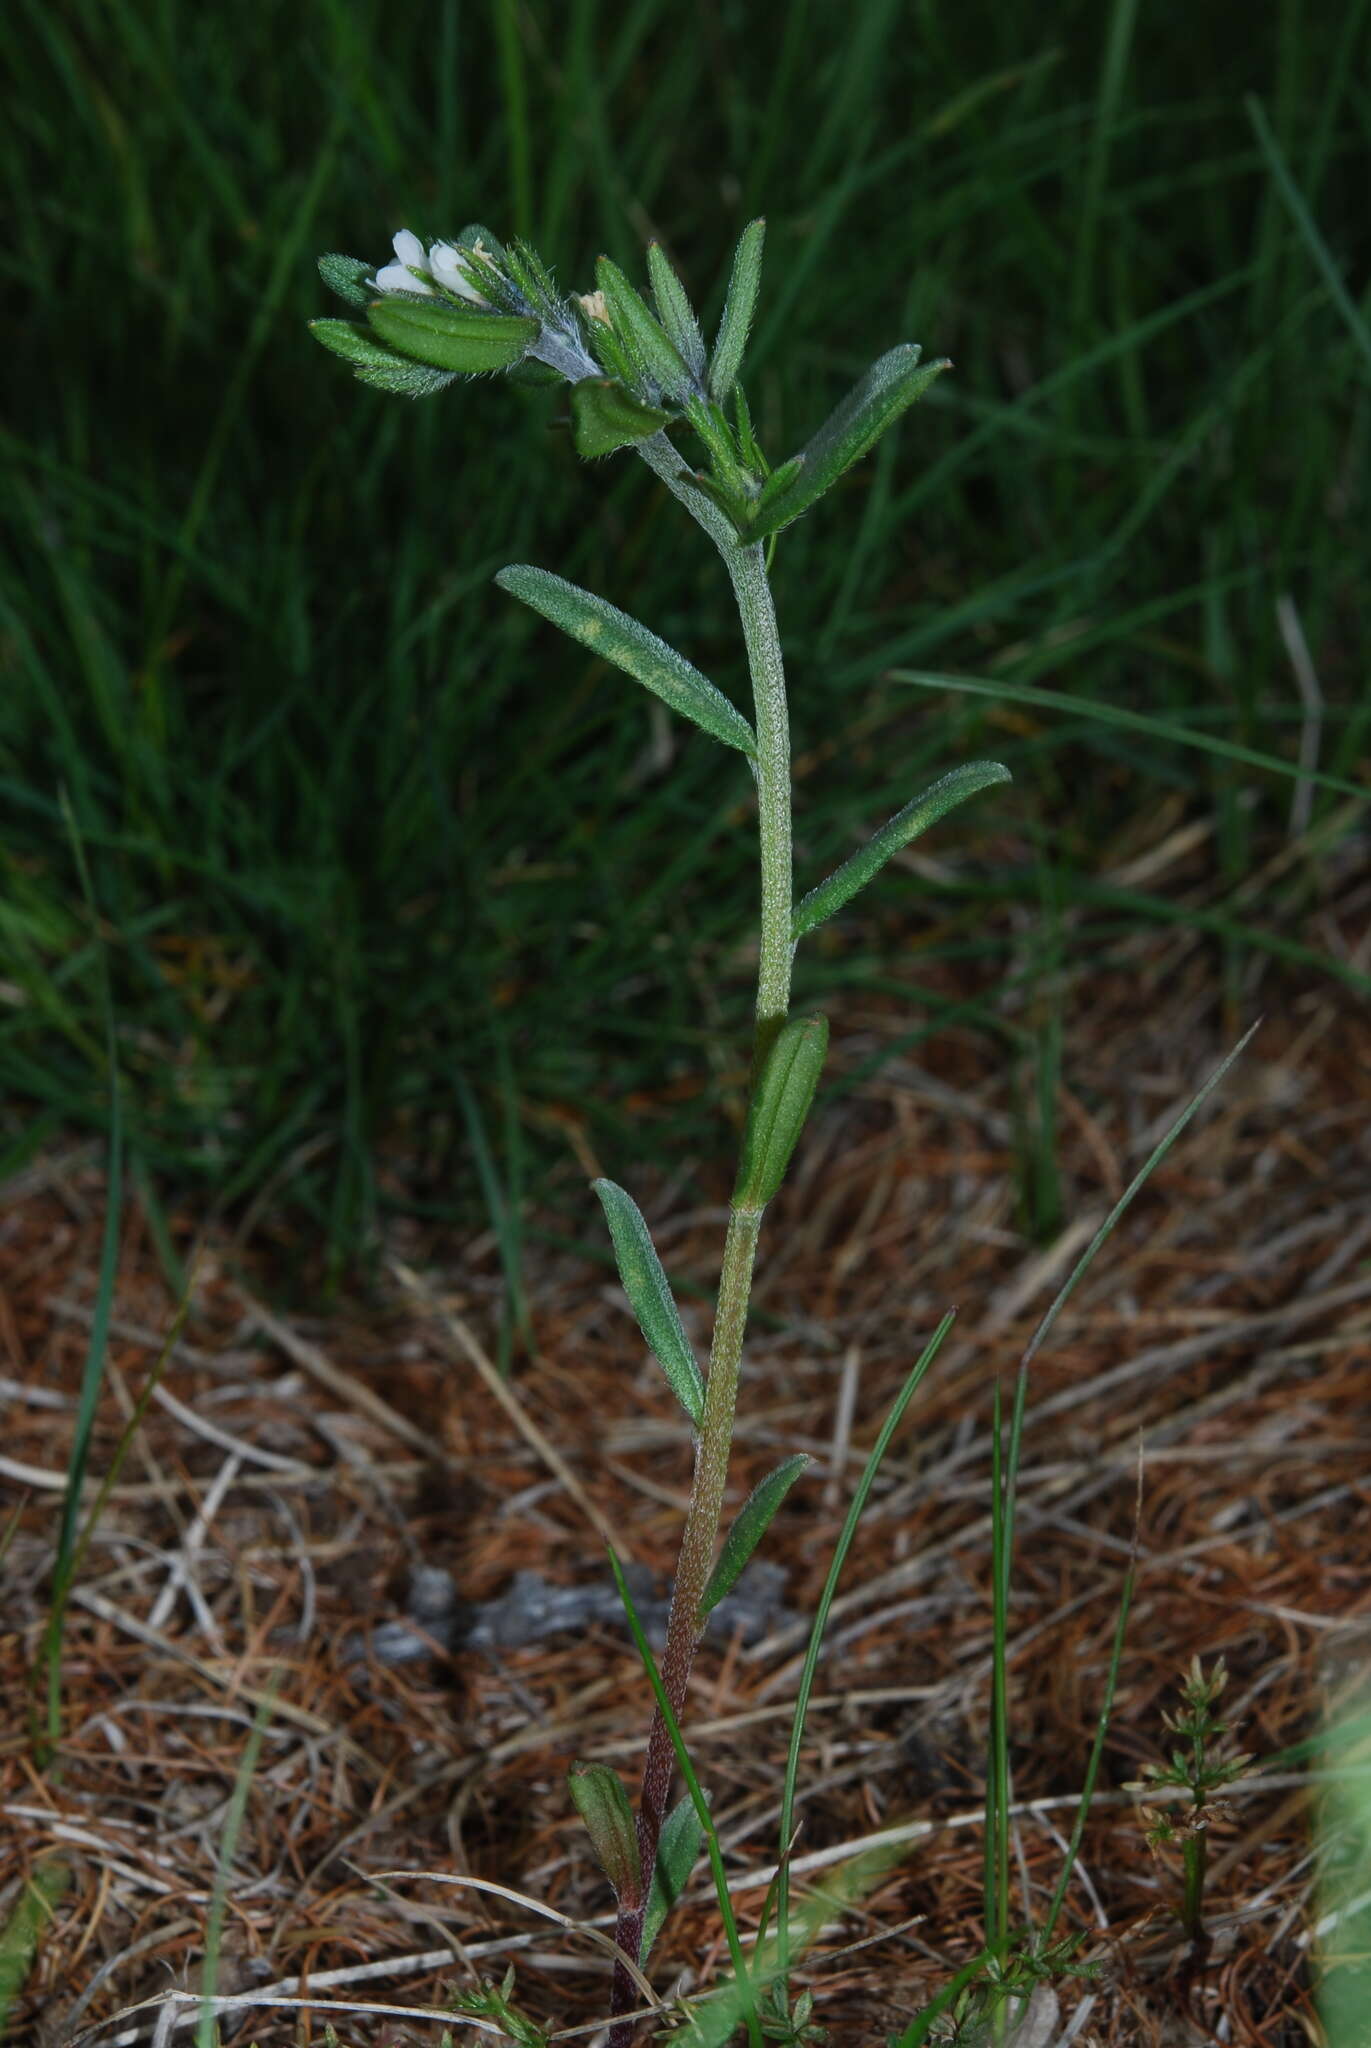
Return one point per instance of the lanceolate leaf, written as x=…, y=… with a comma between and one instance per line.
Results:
x=780, y=1104
x=739, y=307
x=650, y=1296
x=754, y=1517
x=604, y=416
x=678, y=1848
x=631, y=647
x=887, y=389
x=376, y=365
x=675, y=311
x=600, y=1799
x=854, y=874
x=463, y=339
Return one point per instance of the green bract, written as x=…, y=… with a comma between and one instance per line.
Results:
x=377, y=365
x=675, y=311
x=631, y=647
x=345, y=275
x=739, y=308
x=463, y=339
x=605, y=416
x=653, y=354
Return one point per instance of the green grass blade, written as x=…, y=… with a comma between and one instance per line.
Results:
x=1309, y=230
x=1129, y=721
x=206, y=2032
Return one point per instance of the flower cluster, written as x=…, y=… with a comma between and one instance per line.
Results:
x=445, y=264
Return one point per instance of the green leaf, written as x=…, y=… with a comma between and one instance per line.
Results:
x=618, y=638
x=601, y=1801
x=376, y=365
x=780, y=1104
x=605, y=416
x=754, y=1518
x=739, y=308
x=889, y=387
x=678, y=1849
x=675, y=311
x=446, y=336
x=650, y=1297
x=854, y=874
x=344, y=275
x=654, y=354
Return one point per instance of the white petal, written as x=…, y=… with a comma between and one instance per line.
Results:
x=410, y=250
x=448, y=266
x=396, y=278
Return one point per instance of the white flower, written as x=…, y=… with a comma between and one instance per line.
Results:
x=398, y=276
x=450, y=266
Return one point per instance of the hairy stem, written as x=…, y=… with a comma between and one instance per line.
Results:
x=747, y=571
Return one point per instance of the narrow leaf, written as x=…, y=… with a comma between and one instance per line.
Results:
x=652, y=350
x=605, y=416
x=650, y=1296
x=344, y=275
x=754, y=1518
x=739, y=308
x=854, y=874
x=780, y=1104
x=889, y=387
x=376, y=365
x=609, y=632
x=600, y=1799
x=678, y=1851
x=447, y=336
x=675, y=311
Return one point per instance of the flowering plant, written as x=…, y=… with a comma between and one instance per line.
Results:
x=639, y=372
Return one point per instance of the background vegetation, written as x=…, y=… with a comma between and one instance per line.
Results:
x=384, y=872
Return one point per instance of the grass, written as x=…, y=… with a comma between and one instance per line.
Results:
x=369, y=851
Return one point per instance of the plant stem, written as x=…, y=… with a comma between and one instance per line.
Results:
x=747, y=571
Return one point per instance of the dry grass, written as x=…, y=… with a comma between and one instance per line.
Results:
x=290, y=1476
